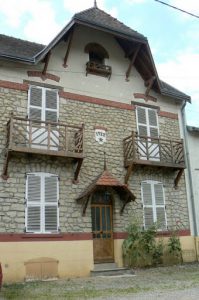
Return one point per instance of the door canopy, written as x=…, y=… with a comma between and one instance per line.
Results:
x=106, y=181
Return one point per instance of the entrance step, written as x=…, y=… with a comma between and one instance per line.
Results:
x=110, y=269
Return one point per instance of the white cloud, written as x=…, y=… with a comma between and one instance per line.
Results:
x=182, y=73
x=40, y=26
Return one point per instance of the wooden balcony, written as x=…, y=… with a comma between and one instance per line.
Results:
x=154, y=152
x=98, y=69
x=44, y=138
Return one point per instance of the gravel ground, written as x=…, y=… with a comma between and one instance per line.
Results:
x=177, y=282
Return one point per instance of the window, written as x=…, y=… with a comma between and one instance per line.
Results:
x=43, y=104
x=148, y=130
x=96, y=64
x=42, y=215
x=154, y=204
x=43, y=107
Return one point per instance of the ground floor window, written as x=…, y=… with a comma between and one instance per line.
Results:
x=153, y=200
x=42, y=215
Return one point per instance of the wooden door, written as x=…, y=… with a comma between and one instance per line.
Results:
x=102, y=229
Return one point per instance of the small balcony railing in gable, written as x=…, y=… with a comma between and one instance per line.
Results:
x=98, y=69
x=143, y=150
x=47, y=138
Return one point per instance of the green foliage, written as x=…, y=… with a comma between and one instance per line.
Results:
x=141, y=248
x=174, y=246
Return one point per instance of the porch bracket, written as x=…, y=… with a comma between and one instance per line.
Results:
x=76, y=174
x=177, y=179
x=68, y=50
x=149, y=85
x=132, y=62
x=128, y=173
x=123, y=206
x=85, y=204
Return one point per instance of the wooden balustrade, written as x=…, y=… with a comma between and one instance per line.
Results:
x=98, y=69
x=153, y=151
x=47, y=138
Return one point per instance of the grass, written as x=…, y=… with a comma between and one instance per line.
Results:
x=154, y=279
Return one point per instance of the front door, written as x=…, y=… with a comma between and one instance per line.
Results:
x=102, y=227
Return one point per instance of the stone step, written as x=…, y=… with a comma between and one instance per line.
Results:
x=110, y=269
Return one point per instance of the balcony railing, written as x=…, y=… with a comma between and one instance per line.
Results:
x=98, y=69
x=25, y=135
x=153, y=151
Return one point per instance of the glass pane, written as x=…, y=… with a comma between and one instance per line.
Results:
x=104, y=235
x=108, y=218
x=97, y=220
x=93, y=218
x=161, y=220
x=103, y=218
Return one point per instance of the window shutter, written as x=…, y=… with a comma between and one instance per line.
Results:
x=160, y=205
x=153, y=123
x=33, y=209
x=51, y=203
x=51, y=105
x=147, y=204
x=154, y=204
x=142, y=121
x=35, y=103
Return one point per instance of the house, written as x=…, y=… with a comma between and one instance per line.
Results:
x=192, y=144
x=90, y=138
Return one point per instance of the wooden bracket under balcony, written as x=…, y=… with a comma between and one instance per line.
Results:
x=178, y=177
x=68, y=49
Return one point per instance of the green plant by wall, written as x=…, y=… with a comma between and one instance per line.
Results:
x=141, y=249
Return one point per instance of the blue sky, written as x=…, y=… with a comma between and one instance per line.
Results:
x=173, y=36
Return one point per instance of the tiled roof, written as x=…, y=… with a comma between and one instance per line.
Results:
x=18, y=48
x=168, y=90
x=107, y=179
x=100, y=18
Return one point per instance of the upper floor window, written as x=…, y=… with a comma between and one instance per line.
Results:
x=96, y=64
x=42, y=191
x=43, y=104
x=148, y=133
x=153, y=200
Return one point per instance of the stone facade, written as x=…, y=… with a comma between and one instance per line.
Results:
x=119, y=124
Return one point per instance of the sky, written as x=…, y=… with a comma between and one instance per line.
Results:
x=173, y=36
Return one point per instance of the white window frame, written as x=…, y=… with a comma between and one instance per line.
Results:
x=42, y=202
x=43, y=106
x=154, y=205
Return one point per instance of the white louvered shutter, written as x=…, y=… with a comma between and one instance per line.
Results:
x=51, y=105
x=51, y=203
x=160, y=205
x=154, y=204
x=142, y=121
x=35, y=103
x=153, y=123
x=147, y=204
x=33, y=203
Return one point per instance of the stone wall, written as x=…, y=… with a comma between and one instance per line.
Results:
x=119, y=124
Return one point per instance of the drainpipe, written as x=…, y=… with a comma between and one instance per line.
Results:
x=189, y=175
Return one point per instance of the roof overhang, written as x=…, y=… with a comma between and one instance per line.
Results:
x=104, y=181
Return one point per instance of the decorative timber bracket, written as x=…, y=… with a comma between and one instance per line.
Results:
x=132, y=61
x=149, y=83
x=46, y=61
x=77, y=170
x=68, y=49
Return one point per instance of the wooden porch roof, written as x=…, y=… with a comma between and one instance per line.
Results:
x=107, y=180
